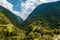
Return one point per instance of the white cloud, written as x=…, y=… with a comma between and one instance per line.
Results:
x=8, y=5
x=46, y=1
x=27, y=7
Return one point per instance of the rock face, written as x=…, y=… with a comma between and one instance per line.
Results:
x=48, y=12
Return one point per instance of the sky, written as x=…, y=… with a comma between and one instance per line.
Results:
x=23, y=8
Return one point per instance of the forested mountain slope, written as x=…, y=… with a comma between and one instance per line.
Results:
x=48, y=13
x=16, y=20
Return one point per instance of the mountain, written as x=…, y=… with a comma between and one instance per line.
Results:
x=48, y=13
x=16, y=20
x=42, y=24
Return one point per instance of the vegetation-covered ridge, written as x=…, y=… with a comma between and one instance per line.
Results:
x=44, y=20
x=8, y=31
x=16, y=20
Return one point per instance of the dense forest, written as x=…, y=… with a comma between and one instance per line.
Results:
x=37, y=30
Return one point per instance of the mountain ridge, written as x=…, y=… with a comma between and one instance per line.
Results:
x=16, y=20
x=45, y=12
x=43, y=6
x=37, y=13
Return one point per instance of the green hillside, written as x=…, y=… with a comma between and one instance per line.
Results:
x=8, y=31
x=34, y=31
x=44, y=22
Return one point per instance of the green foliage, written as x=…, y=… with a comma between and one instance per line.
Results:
x=47, y=37
x=3, y=19
x=8, y=31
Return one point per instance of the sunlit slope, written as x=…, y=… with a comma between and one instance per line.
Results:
x=5, y=23
x=8, y=31
x=16, y=20
x=4, y=20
